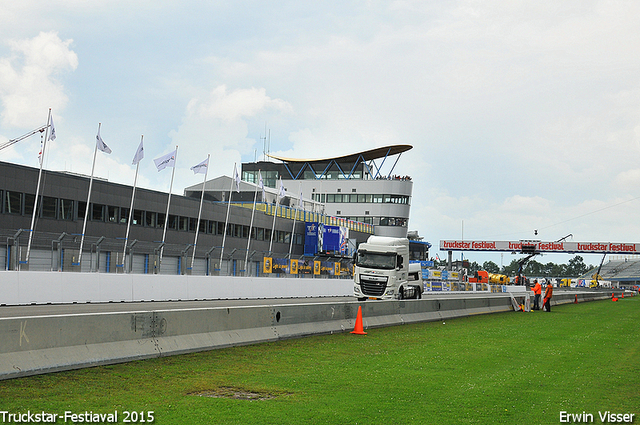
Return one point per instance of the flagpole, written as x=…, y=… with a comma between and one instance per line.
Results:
x=86, y=211
x=35, y=203
x=226, y=221
x=133, y=194
x=195, y=241
x=253, y=213
x=166, y=216
x=273, y=226
x=295, y=215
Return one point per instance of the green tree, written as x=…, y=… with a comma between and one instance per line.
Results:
x=511, y=269
x=577, y=267
x=491, y=267
x=474, y=267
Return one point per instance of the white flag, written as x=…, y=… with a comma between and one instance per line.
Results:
x=40, y=154
x=52, y=133
x=281, y=192
x=168, y=160
x=101, y=144
x=201, y=168
x=139, y=154
x=261, y=185
x=237, y=179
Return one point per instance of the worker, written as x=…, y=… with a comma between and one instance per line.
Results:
x=537, y=291
x=548, y=293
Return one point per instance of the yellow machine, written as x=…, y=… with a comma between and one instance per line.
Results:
x=498, y=279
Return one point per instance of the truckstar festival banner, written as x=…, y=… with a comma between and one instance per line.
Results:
x=540, y=246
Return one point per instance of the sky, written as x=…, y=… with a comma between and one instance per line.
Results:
x=523, y=116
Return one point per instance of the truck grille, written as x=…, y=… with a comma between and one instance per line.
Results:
x=373, y=286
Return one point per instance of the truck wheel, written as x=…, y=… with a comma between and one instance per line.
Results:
x=401, y=294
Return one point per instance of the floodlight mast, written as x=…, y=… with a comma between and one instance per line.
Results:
x=24, y=136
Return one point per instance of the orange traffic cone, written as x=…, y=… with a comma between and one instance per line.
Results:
x=623, y=295
x=576, y=300
x=614, y=299
x=358, y=328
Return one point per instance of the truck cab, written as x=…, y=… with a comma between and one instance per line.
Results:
x=381, y=270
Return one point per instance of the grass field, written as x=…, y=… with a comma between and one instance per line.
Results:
x=506, y=368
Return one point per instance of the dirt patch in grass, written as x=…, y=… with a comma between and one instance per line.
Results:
x=237, y=393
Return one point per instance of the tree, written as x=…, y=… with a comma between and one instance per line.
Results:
x=577, y=267
x=491, y=267
x=474, y=267
x=511, y=269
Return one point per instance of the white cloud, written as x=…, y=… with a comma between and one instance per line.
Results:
x=28, y=83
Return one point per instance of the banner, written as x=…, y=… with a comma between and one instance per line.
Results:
x=294, y=267
x=316, y=267
x=540, y=246
x=266, y=268
x=279, y=265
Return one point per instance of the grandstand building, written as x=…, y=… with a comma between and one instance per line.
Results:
x=61, y=212
x=350, y=187
x=622, y=273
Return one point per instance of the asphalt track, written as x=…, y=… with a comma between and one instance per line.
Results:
x=42, y=310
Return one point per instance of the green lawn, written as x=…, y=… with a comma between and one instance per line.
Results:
x=511, y=368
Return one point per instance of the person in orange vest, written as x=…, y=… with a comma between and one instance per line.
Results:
x=548, y=293
x=537, y=291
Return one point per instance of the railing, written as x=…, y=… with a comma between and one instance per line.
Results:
x=307, y=216
x=59, y=253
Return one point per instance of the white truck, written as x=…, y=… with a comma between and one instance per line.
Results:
x=382, y=270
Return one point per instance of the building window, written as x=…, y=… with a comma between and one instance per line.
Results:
x=66, y=209
x=97, y=212
x=137, y=218
x=150, y=219
x=13, y=203
x=124, y=215
x=112, y=214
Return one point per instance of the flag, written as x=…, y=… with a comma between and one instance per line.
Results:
x=168, y=160
x=237, y=179
x=139, y=155
x=201, y=168
x=261, y=185
x=52, y=133
x=281, y=192
x=101, y=144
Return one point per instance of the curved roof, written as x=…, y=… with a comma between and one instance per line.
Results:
x=366, y=155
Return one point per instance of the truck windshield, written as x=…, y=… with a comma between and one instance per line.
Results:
x=376, y=261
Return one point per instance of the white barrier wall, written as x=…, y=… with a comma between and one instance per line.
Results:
x=50, y=287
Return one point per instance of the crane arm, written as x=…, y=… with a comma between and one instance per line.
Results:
x=24, y=136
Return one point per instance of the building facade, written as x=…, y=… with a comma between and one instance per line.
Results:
x=351, y=187
x=57, y=234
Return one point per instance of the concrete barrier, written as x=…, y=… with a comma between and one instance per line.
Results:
x=42, y=344
x=19, y=288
